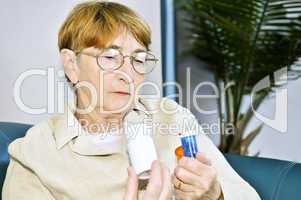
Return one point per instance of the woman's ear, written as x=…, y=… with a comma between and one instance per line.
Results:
x=68, y=58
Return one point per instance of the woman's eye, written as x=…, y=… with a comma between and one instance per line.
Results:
x=139, y=61
x=109, y=57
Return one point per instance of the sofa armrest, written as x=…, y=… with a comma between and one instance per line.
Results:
x=272, y=179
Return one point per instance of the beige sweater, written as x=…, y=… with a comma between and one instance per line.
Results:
x=52, y=162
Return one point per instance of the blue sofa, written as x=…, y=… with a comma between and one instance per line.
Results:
x=273, y=179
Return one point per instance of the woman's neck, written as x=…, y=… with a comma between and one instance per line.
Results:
x=95, y=122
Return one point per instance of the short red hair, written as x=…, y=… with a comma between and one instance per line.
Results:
x=97, y=23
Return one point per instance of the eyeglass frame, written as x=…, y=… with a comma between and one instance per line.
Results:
x=123, y=57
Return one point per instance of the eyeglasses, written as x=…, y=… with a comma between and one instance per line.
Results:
x=110, y=59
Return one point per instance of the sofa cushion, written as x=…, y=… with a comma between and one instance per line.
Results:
x=272, y=179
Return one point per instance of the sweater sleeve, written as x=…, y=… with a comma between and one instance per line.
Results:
x=21, y=183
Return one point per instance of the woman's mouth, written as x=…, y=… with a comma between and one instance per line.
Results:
x=122, y=93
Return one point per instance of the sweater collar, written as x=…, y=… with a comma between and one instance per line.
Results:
x=67, y=130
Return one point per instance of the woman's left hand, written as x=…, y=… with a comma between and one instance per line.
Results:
x=196, y=179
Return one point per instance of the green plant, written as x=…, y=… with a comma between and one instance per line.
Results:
x=244, y=41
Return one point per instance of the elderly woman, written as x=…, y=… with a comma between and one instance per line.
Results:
x=105, y=46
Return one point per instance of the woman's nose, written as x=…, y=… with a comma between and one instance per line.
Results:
x=127, y=69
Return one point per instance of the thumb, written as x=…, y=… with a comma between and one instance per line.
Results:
x=132, y=185
x=203, y=159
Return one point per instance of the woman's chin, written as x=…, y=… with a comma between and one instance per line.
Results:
x=118, y=106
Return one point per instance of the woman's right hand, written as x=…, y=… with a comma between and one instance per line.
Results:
x=159, y=186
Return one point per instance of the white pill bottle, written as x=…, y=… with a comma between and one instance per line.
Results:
x=140, y=145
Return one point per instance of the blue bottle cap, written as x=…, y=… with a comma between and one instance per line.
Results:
x=189, y=145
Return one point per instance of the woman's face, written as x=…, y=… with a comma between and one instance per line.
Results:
x=115, y=89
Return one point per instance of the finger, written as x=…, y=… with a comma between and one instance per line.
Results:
x=200, y=182
x=132, y=185
x=183, y=195
x=193, y=165
x=200, y=166
x=154, y=187
x=189, y=190
x=167, y=184
x=186, y=176
x=203, y=159
x=179, y=185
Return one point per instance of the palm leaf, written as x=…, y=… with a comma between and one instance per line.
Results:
x=245, y=41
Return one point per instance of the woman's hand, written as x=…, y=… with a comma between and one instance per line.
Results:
x=158, y=188
x=196, y=179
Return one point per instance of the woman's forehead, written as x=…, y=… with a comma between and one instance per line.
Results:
x=127, y=43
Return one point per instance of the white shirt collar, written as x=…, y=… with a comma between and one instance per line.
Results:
x=67, y=129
